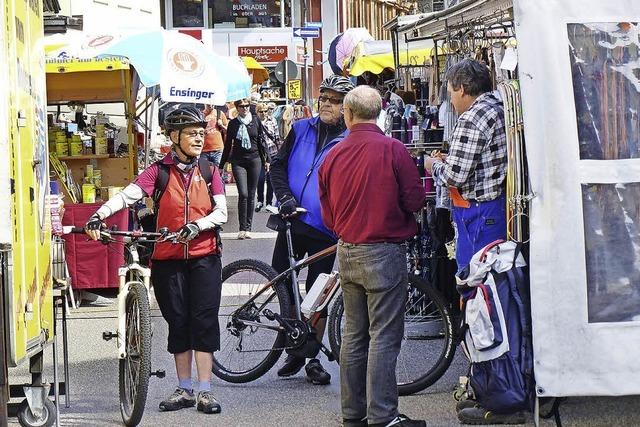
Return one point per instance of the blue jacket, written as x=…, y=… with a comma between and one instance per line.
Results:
x=303, y=168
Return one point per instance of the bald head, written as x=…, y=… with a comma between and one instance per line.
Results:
x=362, y=105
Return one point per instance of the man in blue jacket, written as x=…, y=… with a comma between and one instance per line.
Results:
x=294, y=177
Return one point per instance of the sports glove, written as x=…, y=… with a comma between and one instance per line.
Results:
x=288, y=206
x=94, y=223
x=188, y=232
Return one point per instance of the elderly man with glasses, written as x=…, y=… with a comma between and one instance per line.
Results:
x=294, y=176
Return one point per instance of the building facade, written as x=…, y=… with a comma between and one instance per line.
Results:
x=113, y=15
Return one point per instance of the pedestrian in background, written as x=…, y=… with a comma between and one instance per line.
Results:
x=214, y=134
x=246, y=150
x=273, y=145
x=369, y=190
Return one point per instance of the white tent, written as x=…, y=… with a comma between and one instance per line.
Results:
x=579, y=68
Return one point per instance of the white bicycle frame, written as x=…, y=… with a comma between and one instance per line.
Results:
x=123, y=292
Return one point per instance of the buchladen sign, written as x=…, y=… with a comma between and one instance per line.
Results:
x=264, y=53
x=254, y=8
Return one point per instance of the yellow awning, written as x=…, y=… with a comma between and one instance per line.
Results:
x=99, y=80
x=55, y=65
x=376, y=63
x=257, y=71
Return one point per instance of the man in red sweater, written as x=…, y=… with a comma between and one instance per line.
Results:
x=369, y=190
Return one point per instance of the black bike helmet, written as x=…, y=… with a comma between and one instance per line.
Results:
x=182, y=117
x=336, y=83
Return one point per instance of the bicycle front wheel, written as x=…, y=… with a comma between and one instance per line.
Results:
x=427, y=345
x=135, y=368
x=248, y=348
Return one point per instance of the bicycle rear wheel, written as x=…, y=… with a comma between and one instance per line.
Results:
x=428, y=344
x=135, y=368
x=248, y=351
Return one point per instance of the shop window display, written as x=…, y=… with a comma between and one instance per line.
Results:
x=249, y=13
x=605, y=65
x=188, y=13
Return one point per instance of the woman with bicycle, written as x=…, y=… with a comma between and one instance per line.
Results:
x=186, y=277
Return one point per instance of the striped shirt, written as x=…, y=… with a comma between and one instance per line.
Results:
x=477, y=160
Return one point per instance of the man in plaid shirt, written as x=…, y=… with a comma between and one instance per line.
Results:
x=476, y=166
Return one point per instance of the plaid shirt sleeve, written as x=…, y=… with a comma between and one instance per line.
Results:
x=477, y=159
x=467, y=142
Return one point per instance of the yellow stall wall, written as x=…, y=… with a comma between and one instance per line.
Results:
x=23, y=128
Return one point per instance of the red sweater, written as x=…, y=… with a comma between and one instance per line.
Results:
x=370, y=188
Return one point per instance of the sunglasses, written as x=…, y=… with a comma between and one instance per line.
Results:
x=244, y=105
x=334, y=101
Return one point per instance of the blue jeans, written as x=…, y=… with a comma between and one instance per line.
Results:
x=374, y=285
x=214, y=157
x=477, y=226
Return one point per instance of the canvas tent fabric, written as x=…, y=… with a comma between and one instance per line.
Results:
x=584, y=222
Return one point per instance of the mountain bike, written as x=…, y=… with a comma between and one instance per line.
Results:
x=257, y=325
x=134, y=332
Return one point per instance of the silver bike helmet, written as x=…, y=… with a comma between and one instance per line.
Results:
x=336, y=83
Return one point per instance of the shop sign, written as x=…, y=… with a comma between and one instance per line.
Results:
x=294, y=89
x=254, y=8
x=264, y=53
x=300, y=54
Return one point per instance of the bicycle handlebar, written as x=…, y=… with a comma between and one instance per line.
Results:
x=162, y=235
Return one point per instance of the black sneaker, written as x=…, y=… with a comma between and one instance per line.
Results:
x=180, y=398
x=292, y=366
x=477, y=415
x=401, y=421
x=208, y=404
x=258, y=207
x=359, y=422
x=465, y=403
x=316, y=373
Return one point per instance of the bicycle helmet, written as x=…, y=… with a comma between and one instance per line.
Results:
x=182, y=117
x=336, y=83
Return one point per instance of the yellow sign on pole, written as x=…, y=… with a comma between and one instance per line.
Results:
x=294, y=89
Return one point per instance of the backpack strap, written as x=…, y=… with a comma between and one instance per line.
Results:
x=162, y=179
x=205, y=170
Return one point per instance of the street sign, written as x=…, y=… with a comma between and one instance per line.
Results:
x=306, y=32
x=313, y=24
x=286, y=70
x=294, y=89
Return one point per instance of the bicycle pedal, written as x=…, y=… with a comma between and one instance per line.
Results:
x=160, y=373
x=107, y=335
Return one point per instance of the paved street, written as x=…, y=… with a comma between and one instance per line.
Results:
x=269, y=401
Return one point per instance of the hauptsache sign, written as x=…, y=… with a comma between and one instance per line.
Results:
x=264, y=53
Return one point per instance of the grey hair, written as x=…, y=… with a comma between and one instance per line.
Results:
x=364, y=102
x=472, y=75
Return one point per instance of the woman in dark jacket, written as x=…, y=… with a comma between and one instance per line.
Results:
x=246, y=150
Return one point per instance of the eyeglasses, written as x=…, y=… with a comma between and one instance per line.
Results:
x=244, y=105
x=334, y=101
x=194, y=134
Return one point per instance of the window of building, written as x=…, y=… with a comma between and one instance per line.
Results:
x=228, y=13
x=249, y=13
x=187, y=13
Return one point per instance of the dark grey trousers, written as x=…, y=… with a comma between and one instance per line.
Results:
x=374, y=284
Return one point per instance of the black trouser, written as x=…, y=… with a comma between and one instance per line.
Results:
x=265, y=179
x=246, y=174
x=188, y=293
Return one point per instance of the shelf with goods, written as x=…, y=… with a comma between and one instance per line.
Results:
x=78, y=83
x=105, y=143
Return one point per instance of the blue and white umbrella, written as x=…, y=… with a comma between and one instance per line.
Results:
x=183, y=67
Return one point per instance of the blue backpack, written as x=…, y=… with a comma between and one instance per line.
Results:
x=497, y=328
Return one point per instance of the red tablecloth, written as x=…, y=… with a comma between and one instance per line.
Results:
x=92, y=264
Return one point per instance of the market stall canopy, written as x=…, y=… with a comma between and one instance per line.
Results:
x=376, y=56
x=258, y=73
x=85, y=80
x=185, y=70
